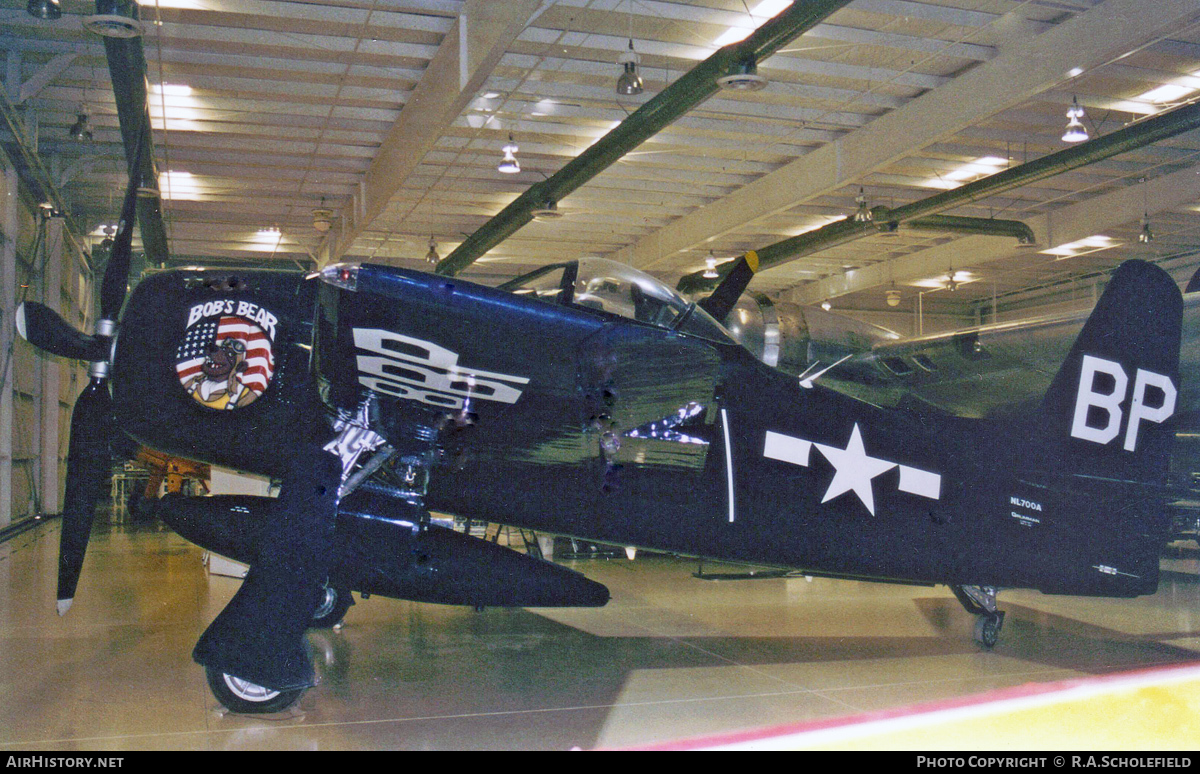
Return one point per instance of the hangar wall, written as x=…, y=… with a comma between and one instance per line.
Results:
x=40, y=260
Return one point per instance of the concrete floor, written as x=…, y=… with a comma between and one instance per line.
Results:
x=671, y=656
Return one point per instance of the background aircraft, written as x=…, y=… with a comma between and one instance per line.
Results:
x=995, y=371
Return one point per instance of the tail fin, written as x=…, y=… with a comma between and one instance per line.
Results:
x=1194, y=283
x=1108, y=411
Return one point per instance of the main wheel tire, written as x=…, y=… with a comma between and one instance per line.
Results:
x=238, y=695
x=333, y=607
x=987, y=631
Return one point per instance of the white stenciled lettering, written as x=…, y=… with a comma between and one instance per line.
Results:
x=1138, y=411
x=1109, y=403
x=244, y=309
x=266, y=321
x=208, y=309
x=403, y=391
x=1023, y=503
x=421, y=370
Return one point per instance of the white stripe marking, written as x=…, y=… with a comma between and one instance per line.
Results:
x=728, y=462
x=787, y=449
x=920, y=482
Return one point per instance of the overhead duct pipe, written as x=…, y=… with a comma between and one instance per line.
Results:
x=975, y=226
x=127, y=69
x=672, y=102
x=1146, y=132
x=848, y=230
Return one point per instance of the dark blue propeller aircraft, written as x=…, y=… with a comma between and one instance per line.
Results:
x=591, y=400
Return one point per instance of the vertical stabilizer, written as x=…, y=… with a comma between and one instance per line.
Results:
x=1108, y=413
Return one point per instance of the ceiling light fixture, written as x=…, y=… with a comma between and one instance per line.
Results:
x=760, y=13
x=1147, y=236
x=432, y=256
x=862, y=214
x=944, y=281
x=546, y=212
x=630, y=81
x=826, y=305
x=744, y=77
x=1167, y=93
x=81, y=130
x=114, y=19
x=1083, y=246
x=44, y=9
x=322, y=220
x=1076, y=131
x=268, y=237
x=970, y=171
x=509, y=165
x=710, y=267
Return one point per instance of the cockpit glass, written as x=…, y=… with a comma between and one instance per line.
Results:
x=544, y=284
x=618, y=289
x=623, y=290
x=701, y=323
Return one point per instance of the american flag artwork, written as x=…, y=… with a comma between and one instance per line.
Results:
x=225, y=361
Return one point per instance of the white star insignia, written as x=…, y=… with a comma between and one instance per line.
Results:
x=854, y=469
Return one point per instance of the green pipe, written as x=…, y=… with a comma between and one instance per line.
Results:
x=672, y=102
x=1141, y=134
x=984, y=226
x=127, y=70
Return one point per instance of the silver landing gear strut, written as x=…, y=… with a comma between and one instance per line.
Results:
x=981, y=601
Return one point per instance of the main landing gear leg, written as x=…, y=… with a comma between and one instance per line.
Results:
x=981, y=601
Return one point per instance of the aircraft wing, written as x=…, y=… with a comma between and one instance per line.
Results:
x=992, y=371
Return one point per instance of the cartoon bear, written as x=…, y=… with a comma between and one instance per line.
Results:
x=219, y=375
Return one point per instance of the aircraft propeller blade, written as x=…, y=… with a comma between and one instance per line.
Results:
x=720, y=303
x=88, y=456
x=45, y=329
x=88, y=465
x=116, y=273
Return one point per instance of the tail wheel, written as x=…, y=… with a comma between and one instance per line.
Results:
x=243, y=696
x=333, y=607
x=987, y=629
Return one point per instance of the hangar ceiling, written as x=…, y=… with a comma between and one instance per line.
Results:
x=274, y=110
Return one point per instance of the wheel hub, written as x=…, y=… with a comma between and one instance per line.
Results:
x=248, y=691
